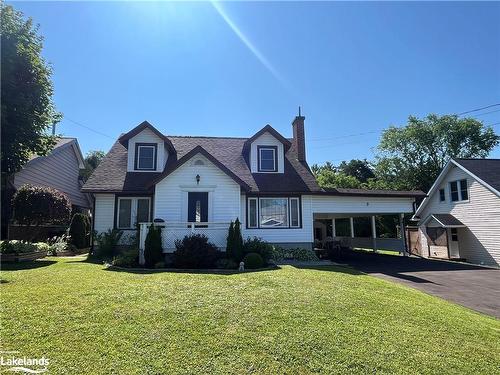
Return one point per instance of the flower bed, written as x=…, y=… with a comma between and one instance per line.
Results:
x=19, y=251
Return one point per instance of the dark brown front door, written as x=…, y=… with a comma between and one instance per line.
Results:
x=197, y=207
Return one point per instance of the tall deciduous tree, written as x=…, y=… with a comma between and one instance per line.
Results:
x=411, y=157
x=27, y=107
x=360, y=169
x=92, y=160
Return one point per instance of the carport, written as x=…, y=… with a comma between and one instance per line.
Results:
x=376, y=221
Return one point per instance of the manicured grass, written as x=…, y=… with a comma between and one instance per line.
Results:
x=86, y=319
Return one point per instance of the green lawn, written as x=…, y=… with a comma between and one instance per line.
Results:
x=87, y=319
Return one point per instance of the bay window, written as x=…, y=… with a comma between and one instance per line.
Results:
x=273, y=212
x=132, y=210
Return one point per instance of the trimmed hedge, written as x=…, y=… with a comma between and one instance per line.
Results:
x=153, y=251
x=195, y=251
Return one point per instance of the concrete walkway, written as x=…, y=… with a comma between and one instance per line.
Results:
x=475, y=287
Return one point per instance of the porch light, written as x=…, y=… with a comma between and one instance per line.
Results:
x=198, y=179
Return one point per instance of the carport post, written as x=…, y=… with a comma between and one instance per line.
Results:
x=374, y=234
x=402, y=232
x=351, y=221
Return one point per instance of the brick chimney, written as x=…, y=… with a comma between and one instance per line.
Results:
x=299, y=139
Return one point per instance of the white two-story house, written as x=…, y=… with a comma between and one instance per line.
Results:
x=199, y=184
x=460, y=218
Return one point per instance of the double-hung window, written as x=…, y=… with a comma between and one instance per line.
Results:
x=133, y=210
x=275, y=212
x=267, y=158
x=459, y=190
x=442, y=195
x=145, y=156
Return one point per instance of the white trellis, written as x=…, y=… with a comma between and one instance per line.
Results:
x=216, y=232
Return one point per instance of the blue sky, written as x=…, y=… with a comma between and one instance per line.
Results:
x=189, y=69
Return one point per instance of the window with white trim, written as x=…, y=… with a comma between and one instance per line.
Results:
x=132, y=210
x=252, y=213
x=145, y=158
x=294, y=212
x=273, y=212
x=267, y=158
x=459, y=191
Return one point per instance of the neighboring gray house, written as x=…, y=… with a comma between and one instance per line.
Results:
x=199, y=184
x=460, y=218
x=60, y=170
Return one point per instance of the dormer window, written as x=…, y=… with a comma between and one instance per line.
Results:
x=145, y=156
x=267, y=158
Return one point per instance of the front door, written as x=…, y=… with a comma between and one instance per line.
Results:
x=197, y=207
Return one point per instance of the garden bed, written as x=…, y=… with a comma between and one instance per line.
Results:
x=23, y=257
x=191, y=270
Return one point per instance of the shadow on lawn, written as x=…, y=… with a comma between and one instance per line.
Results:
x=221, y=272
x=348, y=269
x=18, y=266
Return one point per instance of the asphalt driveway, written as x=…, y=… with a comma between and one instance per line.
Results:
x=475, y=287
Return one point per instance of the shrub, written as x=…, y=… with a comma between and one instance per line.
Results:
x=225, y=263
x=43, y=247
x=234, y=246
x=160, y=264
x=59, y=244
x=18, y=247
x=78, y=231
x=253, y=261
x=300, y=254
x=195, y=251
x=34, y=205
x=153, y=251
x=128, y=258
x=107, y=242
x=259, y=246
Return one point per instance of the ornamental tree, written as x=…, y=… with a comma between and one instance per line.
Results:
x=36, y=206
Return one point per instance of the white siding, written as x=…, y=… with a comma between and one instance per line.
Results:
x=104, y=212
x=480, y=241
x=59, y=170
x=266, y=139
x=360, y=205
x=171, y=194
x=292, y=235
x=147, y=136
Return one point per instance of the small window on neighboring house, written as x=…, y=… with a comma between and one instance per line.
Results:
x=463, y=190
x=454, y=191
x=459, y=191
x=294, y=213
x=267, y=158
x=145, y=157
x=442, y=196
x=252, y=212
x=454, y=234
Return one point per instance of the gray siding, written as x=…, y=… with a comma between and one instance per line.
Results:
x=59, y=170
x=480, y=241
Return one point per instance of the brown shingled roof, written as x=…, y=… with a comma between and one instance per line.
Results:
x=112, y=176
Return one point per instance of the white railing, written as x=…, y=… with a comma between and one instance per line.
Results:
x=173, y=231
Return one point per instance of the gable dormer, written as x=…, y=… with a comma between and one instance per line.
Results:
x=148, y=149
x=266, y=151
